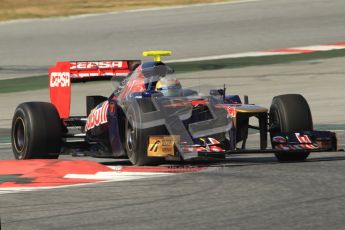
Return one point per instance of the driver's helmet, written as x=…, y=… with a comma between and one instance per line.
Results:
x=169, y=87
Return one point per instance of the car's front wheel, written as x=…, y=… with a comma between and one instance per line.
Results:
x=290, y=113
x=137, y=137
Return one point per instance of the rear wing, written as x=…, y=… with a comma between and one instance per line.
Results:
x=64, y=73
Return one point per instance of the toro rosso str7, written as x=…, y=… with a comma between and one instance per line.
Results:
x=151, y=118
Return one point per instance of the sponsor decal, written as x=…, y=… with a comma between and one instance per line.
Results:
x=283, y=147
x=98, y=65
x=191, y=149
x=204, y=142
x=215, y=148
x=288, y=147
x=209, y=145
x=304, y=140
x=213, y=141
x=231, y=110
x=112, y=108
x=279, y=139
x=97, y=116
x=162, y=145
x=154, y=147
x=200, y=149
x=60, y=79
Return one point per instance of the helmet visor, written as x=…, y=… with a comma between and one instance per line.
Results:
x=170, y=91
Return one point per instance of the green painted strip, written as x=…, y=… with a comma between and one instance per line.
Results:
x=334, y=127
x=41, y=82
x=5, y=140
x=253, y=61
x=23, y=84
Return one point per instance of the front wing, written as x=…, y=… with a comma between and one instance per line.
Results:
x=307, y=141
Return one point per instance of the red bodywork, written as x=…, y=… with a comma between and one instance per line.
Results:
x=63, y=73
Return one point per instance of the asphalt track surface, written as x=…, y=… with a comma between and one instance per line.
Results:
x=243, y=192
x=29, y=47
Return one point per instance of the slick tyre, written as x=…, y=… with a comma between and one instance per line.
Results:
x=137, y=138
x=36, y=131
x=290, y=113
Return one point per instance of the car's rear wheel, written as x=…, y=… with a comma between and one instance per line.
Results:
x=36, y=131
x=290, y=113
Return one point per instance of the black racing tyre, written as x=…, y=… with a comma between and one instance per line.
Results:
x=290, y=113
x=36, y=131
x=137, y=138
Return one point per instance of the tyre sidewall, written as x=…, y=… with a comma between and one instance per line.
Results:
x=138, y=155
x=293, y=114
x=42, y=131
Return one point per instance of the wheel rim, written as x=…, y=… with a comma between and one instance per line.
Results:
x=19, y=136
x=274, y=120
x=130, y=139
x=130, y=136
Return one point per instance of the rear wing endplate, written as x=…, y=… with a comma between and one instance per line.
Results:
x=64, y=73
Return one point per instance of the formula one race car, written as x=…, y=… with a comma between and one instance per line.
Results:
x=150, y=118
